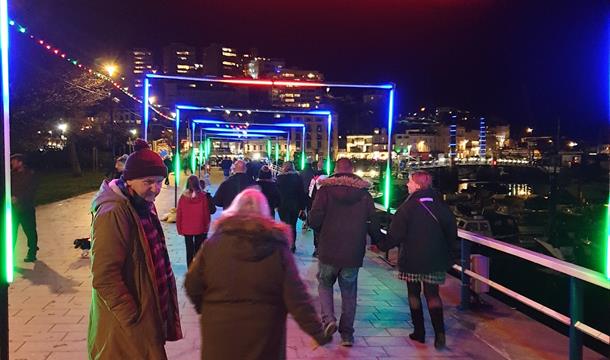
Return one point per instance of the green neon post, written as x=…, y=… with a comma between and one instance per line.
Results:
x=277, y=153
x=203, y=156
x=608, y=240
x=8, y=210
x=268, y=148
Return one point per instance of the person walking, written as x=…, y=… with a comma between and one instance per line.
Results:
x=226, y=165
x=228, y=189
x=193, y=216
x=269, y=188
x=24, y=186
x=292, y=197
x=134, y=305
x=167, y=161
x=314, y=186
x=119, y=165
x=343, y=212
x=245, y=281
x=425, y=228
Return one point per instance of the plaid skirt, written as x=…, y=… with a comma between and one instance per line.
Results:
x=434, y=278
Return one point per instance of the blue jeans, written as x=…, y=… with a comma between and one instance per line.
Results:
x=348, y=283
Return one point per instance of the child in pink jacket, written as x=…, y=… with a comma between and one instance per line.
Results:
x=195, y=208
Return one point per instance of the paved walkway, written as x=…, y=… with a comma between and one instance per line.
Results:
x=49, y=304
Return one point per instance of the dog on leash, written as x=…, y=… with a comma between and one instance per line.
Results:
x=84, y=244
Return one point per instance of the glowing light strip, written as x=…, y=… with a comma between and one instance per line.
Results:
x=330, y=124
x=388, y=171
x=240, y=135
x=146, y=115
x=287, y=155
x=53, y=50
x=303, y=150
x=193, y=148
x=608, y=240
x=8, y=211
x=220, y=122
x=216, y=108
x=270, y=82
x=260, y=131
x=177, y=155
x=269, y=149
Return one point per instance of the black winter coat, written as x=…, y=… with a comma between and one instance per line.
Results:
x=343, y=212
x=425, y=243
x=228, y=190
x=271, y=192
x=291, y=193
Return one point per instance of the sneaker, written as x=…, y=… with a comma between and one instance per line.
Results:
x=330, y=329
x=347, y=341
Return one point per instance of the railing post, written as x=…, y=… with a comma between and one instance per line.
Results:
x=575, y=316
x=465, y=263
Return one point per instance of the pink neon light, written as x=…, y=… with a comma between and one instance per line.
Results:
x=247, y=82
x=297, y=83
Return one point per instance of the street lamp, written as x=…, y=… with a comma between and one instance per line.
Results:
x=63, y=127
x=529, y=130
x=133, y=132
x=111, y=69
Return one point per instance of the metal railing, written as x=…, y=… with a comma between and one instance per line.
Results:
x=578, y=275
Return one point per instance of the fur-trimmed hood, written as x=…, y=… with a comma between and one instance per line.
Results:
x=346, y=188
x=350, y=180
x=251, y=238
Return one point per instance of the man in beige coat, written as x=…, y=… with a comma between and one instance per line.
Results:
x=134, y=307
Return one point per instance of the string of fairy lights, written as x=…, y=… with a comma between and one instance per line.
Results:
x=59, y=53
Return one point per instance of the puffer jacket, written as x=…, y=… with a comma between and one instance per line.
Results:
x=193, y=213
x=343, y=212
x=243, y=282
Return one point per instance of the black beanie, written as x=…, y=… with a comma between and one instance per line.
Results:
x=143, y=162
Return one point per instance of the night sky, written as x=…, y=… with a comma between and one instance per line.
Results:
x=522, y=63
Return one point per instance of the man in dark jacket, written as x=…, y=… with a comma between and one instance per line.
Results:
x=343, y=212
x=226, y=165
x=24, y=186
x=236, y=183
x=292, y=197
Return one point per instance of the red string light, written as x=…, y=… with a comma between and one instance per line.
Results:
x=56, y=51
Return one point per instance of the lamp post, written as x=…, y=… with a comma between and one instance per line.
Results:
x=111, y=69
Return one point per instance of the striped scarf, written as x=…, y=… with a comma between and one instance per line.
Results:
x=156, y=241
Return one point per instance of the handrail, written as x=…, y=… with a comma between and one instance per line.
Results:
x=561, y=266
x=564, y=267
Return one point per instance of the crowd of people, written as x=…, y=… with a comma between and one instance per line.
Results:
x=242, y=276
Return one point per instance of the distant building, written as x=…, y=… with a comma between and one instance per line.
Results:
x=140, y=64
x=224, y=61
x=263, y=68
x=179, y=59
x=295, y=96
